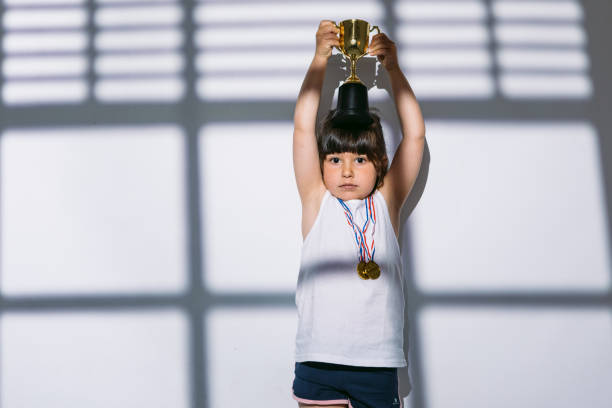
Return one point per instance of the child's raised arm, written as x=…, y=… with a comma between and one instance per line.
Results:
x=305, y=153
x=406, y=163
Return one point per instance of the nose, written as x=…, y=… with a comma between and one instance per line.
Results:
x=347, y=169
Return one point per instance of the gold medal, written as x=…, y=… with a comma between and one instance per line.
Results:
x=365, y=270
x=361, y=270
x=372, y=270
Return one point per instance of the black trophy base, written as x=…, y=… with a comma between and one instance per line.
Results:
x=353, y=109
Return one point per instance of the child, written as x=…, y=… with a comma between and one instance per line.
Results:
x=349, y=294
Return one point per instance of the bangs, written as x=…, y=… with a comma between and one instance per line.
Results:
x=340, y=140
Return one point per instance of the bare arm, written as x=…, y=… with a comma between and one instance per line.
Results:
x=305, y=153
x=406, y=163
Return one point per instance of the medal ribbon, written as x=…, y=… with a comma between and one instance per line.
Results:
x=366, y=253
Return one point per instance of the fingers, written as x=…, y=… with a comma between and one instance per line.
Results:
x=328, y=26
x=380, y=36
x=380, y=51
x=380, y=45
x=329, y=38
x=380, y=39
x=328, y=33
x=374, y=48
x=384, y=49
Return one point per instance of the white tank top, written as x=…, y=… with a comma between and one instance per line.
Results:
x=342, y=318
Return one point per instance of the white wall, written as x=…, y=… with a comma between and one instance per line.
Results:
x=149, y=219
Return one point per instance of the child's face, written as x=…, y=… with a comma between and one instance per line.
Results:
x=349, y=176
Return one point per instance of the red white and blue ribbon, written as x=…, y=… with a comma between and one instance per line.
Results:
x=366, y=252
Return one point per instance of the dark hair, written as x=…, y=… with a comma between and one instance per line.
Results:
x=366, y=140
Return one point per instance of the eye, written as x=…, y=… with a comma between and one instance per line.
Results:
x=361, y=160
x=335, y=160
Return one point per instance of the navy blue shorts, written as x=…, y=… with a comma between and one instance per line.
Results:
x=335, y=384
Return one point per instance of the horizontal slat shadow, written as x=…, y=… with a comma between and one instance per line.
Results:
x=203, y=300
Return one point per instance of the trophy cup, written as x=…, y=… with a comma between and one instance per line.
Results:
x=353, y=109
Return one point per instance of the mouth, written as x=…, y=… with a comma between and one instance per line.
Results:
x=348, y=186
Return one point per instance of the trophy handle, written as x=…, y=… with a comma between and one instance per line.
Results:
x=372, y=28
x=338, y=27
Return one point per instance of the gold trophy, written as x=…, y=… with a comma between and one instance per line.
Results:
x=354, y=42
x=353, y=109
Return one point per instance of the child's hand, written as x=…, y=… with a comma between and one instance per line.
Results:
x=385, y=51
x=327, y=37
